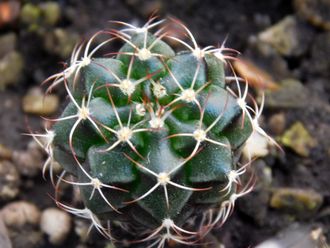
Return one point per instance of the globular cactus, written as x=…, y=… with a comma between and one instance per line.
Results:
x=153, y=136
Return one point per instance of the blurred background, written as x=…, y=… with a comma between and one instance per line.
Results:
x=285, y=49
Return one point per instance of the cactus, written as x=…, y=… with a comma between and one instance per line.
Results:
x=153, y=136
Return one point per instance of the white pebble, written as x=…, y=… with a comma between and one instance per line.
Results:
x=56, y=224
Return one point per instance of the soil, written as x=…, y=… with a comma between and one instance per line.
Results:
x=210, y=22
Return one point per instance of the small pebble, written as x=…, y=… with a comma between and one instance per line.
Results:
x=51, y=12
x=41, y=16
x=7, y=43
x=20, y=213
x=5, y=153
x=299, y=139
x=56, y=224
x=300, y=202
x=4, y=236
x=289, y=37
x=277, y=123
x=29, y=163
x=35, y=102
x=22, y=221
x=9, y=180
x=11, y=69
x=30, y=13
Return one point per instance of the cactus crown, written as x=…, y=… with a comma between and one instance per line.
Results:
x=152, y=136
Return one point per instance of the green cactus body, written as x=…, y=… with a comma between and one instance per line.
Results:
x=153, y=138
